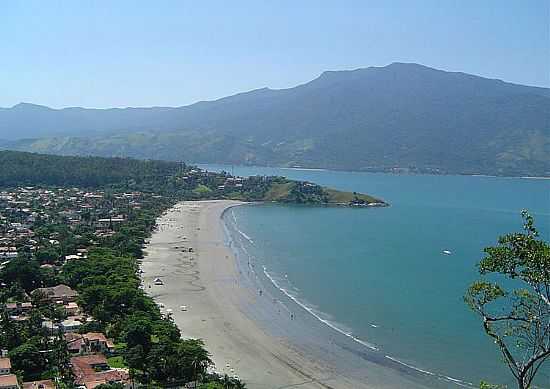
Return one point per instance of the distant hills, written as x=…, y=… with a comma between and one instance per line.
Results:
x=401, y=117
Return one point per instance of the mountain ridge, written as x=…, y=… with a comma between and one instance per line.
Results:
x=398, y=117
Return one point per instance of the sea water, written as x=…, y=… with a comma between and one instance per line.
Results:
x=379, y=275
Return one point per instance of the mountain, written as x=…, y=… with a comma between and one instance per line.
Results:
x=398, y=117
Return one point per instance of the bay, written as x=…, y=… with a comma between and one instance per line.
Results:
x=380, y=274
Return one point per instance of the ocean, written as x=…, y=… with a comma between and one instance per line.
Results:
x=378, y=277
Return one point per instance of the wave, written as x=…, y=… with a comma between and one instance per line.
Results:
x=316, y=315
x=248, y=238
x=328, y=323
x=444, y=377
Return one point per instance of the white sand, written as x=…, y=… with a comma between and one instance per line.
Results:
x=206, y=281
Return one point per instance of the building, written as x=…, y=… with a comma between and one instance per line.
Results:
x=8, y=381
x=91, y=342
x=18, y=308
x=92, y=370
x=44, y=384
x=5, y=366
x=57, y=293
x=71, y=309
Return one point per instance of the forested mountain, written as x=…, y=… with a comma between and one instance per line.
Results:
x=403, y=116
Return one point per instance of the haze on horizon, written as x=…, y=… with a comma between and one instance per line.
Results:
x=102, y=54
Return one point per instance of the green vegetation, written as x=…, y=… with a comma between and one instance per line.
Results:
x=117, y=362
x=19, y=169
x=48, y=217
x=514, y=303
x=339, y=197
x=170, y=179
x=63, y=219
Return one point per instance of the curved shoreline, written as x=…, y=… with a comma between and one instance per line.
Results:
x=227, y=313
x=294, y=304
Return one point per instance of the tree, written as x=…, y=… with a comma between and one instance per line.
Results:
x=515, y=305
x=28, y=359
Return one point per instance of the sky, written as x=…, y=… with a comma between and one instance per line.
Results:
x=171, y=53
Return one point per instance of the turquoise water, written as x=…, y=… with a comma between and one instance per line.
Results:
x=380, y=274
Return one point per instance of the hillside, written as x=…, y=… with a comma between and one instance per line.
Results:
x=175, y=180
x=401, y=117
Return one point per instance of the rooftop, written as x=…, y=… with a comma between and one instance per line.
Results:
x=8, y=380
x=44, y=384
x=5, y=363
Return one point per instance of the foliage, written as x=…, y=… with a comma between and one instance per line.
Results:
x=20, y=169
x=28, y=358
x=516, y=310
x=116, y=362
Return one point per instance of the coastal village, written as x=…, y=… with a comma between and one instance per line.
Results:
x=23, y=214
x=74, y=311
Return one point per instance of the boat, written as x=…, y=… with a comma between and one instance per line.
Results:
x=447, y=252
x=158, y=281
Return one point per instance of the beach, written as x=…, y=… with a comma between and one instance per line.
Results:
x=203, y=288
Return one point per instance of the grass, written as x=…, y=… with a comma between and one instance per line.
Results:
x=116, y=362
x=278, y=191
x=202, y=189
x=336, y=196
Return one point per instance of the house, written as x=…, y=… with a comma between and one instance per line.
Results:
x=71, y=309
x=88, y=364
x=5, y=366
x=110, y=223
x=9, y=381
x=92, y=370
x=58, y=293
x=44, y=384
x=18, y=308
x=91, y=342
x=71, y=324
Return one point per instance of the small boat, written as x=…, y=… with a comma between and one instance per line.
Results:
x=183, y=308
x=447, y=252
x=158, y=281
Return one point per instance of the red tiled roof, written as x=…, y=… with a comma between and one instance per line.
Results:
x=103, y=377
x=74, y=341
x=82, y=366
x=44, y=384
x=8, y=380
x=95, y=336
x=5, y=363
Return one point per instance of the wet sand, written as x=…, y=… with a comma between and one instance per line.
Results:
x=206, y=281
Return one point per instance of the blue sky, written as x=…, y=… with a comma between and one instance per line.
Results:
x=171, y=53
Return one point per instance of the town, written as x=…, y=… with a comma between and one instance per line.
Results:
x=73, y=312
x=49, y=228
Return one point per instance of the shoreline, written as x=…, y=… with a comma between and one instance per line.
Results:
x=241, y=329
x=203, y=165
x=206, y=281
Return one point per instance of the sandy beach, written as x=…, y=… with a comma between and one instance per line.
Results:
x=202, y=288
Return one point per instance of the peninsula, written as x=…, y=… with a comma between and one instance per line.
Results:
x=73, y=297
